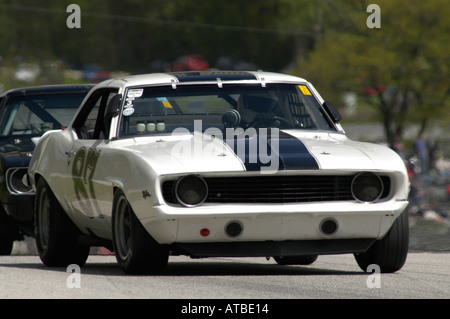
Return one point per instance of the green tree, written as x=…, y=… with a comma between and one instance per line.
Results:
x=400, y=69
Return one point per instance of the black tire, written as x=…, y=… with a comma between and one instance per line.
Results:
x=6, y=246
x=391, y=251
x=136, y=251
x=295, y=260
x=56, y=235
x=8, y=233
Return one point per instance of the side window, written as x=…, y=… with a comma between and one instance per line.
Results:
x=26, y=122
x=85, y=122
x=90, y=123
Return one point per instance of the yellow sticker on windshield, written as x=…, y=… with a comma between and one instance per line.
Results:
x=165, y=102
x=304, y=90
x=167, y=105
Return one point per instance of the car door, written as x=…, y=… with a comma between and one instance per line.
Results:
x=85, y=182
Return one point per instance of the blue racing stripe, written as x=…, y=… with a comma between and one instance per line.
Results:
x=288, y=150
x=294, y=154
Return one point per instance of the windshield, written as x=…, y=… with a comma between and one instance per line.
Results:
x=161, y=110
x=36, y=114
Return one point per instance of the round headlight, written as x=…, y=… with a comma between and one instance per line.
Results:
x=191, y=190
x=15, y=181
x=367, y=187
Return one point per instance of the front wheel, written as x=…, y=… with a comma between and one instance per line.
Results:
x=56, y=235
x=390, y=252
x=136, y=251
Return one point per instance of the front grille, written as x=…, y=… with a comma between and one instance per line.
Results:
x=275, y=189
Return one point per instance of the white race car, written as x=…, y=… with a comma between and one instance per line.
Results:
x=215, y=163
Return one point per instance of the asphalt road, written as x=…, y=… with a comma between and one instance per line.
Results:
x=424, y=276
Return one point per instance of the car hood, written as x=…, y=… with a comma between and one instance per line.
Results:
x=336, y=151
x=287, y=150
x=185, y=153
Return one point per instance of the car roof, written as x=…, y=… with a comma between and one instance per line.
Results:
x=201, y=77
x=49, y=89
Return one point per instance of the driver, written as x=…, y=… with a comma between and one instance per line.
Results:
x=256, y=111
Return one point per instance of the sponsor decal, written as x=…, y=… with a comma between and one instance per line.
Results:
x=135, y=93
x=304, y=90
x=128, y=111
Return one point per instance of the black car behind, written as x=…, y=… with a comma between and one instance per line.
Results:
x=25, y=115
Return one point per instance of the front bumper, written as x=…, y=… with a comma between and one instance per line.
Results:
x=278, y=223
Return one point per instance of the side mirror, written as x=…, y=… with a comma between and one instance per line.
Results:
x=113, y=107
x=332, y=111
x=112, y=110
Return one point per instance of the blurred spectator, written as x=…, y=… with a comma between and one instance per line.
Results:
x=422, y=152
x=399, y=146
x=432, y=153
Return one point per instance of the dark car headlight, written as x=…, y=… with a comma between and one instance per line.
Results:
x=14, y=181
x=191, y=190
x=367, y=187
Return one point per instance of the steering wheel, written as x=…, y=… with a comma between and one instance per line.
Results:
x=231, y=118
x=277, y=120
